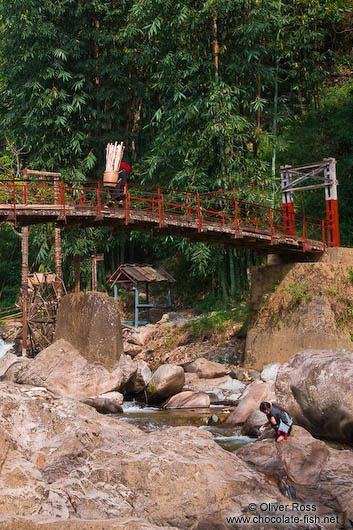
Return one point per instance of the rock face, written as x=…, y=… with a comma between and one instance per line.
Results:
x=313, y=472
x=188, y=400
x=315, y=386
x=61, y=459
x=62, y=370
x=252, y=423
x=206, y=369
x=298, y=306
x=167, y=380
x=255, y=393
x=91, y=323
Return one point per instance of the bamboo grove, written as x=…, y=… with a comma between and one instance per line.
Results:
x=206, y=95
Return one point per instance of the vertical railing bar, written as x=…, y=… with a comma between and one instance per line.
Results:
x=159, y=208
x=271, y=225
x=126, y=203
x=99, y=202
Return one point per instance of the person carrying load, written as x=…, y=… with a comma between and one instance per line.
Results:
x=117, y=195
x=278, y=419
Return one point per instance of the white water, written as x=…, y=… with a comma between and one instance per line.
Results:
x=131, y=407
x=5, y=347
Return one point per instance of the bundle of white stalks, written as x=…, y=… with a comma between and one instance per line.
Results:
x=114, y=156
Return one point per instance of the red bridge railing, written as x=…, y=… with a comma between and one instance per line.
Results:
x=165, y=204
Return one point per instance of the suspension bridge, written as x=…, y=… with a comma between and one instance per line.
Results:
x=216, y=218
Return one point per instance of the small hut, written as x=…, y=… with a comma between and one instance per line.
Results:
x=136, y=276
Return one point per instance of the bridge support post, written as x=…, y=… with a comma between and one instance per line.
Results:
x=57, y=246
x=24, y=279
x=287, y=203
x=333, y=233
x=24, y=288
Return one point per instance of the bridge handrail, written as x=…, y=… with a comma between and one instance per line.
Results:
x=204, y=206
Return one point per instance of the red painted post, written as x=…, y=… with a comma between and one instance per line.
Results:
x=199, y=223
x=333, y=232
x=304, y=235
x=62, y=198
x=271, y=225
x=24, y=194
x=159, y=208
x=188, y=203
x=14, y=200
x=331, y=196
x=126, y=204
x=99, y=202
x=162, y=208
x=323, y=234
x=236, y=222
x=288, y=218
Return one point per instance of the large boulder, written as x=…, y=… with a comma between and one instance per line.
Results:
x=219, y=389
x=11, y=365
x=206, y=369
x=315, y=386
x=310, y=471
x=6, y=361
x=62, y=460
x=167, y=380
x=62, y=370
x=251, y=399
x=188, y=400
x=140, y=378
x=91, y=323
x=109, y=403
x=128, y=368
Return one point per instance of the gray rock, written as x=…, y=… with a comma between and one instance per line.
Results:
x=167, y=380
x=62, y=370
x=269, y=373
x=61, y=460
x=315, y=386
x=91, y=323
x=188, y=400
x=206, y=369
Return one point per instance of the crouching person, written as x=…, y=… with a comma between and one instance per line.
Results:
x=278, y=419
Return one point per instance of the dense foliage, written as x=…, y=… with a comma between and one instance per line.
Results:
x=206, y=94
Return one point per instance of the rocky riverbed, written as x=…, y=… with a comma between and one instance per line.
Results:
x=131, y=446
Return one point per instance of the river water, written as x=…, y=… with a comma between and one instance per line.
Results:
x=151, y=419
x=5, y=347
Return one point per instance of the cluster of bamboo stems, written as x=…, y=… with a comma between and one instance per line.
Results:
x=114, y=155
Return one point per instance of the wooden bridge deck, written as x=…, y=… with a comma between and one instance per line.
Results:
x=244, y=236
x=198, y=217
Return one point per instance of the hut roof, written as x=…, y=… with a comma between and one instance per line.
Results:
x=133, y=273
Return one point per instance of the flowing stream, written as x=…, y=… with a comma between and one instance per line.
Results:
x=153, y=419
x=5, y=347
